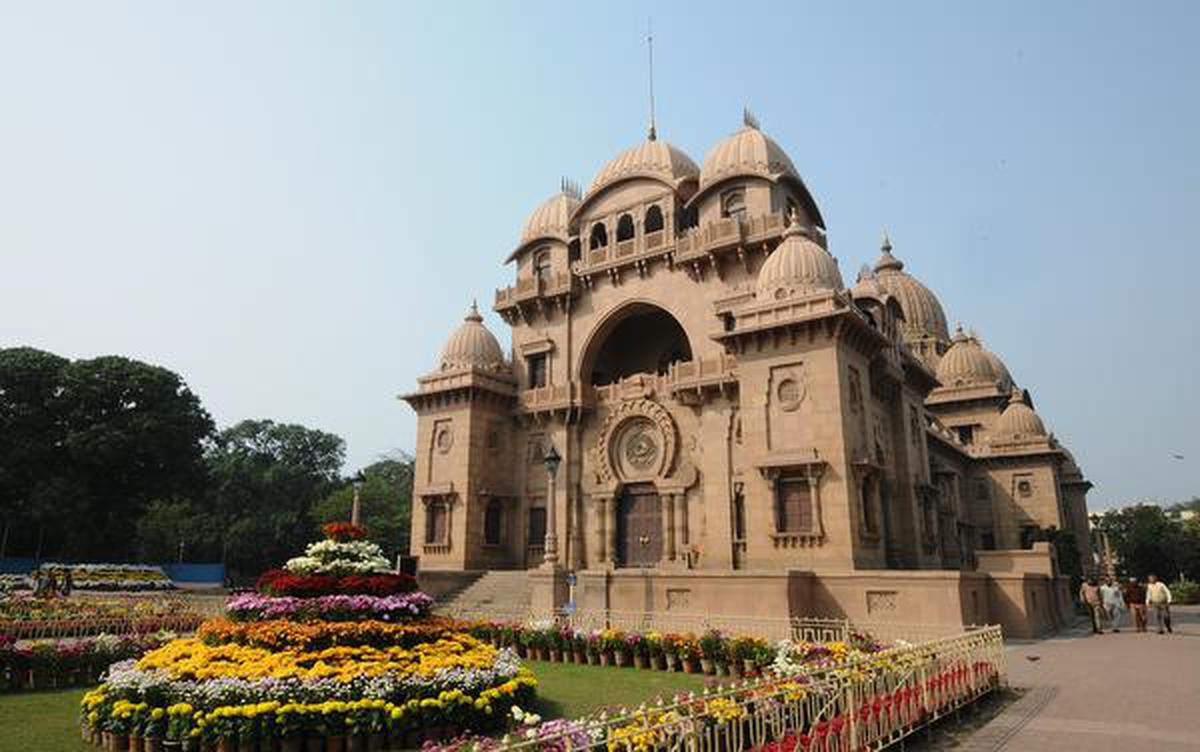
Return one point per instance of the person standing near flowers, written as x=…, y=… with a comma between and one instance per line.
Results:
x=1090, y=595
x=1158, y=596
x=1135, y=600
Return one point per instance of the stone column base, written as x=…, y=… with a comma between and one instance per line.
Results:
x=548, y=591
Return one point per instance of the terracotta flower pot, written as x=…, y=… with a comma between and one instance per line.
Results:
x=227, y=744
x=639, y=660
x=152, y=744
x=555, y=655
x=245, y=745
x=118, y=743
x=671, y=660
x=707, y=666
x=606, y=658
x=376, y=742
x=135, y=743
x=622, y=657
x=356, y=743
x=580, y=657
x=335, y=744
x=291, y=744
x=314, y=744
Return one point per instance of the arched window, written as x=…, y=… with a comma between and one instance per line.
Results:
x=599, y=235
x=654, y=219
x=541, y=265
x=793, y=506
x=493, y=522
x=624, y=228
x=733, y=204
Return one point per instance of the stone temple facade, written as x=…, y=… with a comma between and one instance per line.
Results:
x=740, y=430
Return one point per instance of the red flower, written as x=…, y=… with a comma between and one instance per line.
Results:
x=343, y=531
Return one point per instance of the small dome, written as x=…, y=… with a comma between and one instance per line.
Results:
x=472, y=346
x=551, y=219
x=747, y=152
x=797, y=266
x=649, y=159
x=923, y=314
x=967, y=363
x=1019, y=421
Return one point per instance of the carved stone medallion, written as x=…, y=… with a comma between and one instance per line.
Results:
x=637, y=440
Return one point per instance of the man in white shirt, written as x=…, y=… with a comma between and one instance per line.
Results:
x=1158, y=597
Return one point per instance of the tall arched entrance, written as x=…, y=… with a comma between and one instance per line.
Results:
x=639, y=338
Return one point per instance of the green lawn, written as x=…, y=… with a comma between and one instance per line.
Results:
x=46, y=721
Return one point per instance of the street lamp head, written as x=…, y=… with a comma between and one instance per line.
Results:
x=551, y=458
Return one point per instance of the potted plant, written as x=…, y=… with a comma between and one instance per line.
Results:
x=178, y=727
x=654, y=651
x=712, y=650
x=689, y=653
x=764, y=655
x=554, y=644
x=154, y=728
x=670, y=651
x=637, y=649
x=593, y=649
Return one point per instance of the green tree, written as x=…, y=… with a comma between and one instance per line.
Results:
x=177, y=530
x=385, y=503
x=1148, y=542
x=265, y=479
x=85, y=445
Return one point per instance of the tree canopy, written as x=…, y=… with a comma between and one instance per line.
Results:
x=1147, y=541
x=385, y=503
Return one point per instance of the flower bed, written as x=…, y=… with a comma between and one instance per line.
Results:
x=112, y=577
x=39, y=664
x=28, y=617
x=283, y=669
x=866, y=702
x=255, y=607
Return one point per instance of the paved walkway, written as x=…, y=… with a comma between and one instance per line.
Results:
x=1128, y=692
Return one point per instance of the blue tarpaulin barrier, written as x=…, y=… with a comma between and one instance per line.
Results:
x=181, y=573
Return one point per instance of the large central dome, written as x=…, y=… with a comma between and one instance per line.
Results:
x=749, y=151
x=650, y=159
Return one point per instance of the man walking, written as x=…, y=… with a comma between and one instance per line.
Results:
x=1158, y=596
x=1114, y=603
x=1090, y=595
x=1135, y=599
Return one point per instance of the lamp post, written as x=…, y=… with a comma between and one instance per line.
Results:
x=551, y=459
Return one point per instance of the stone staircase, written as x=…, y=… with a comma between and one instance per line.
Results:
x=500, y=594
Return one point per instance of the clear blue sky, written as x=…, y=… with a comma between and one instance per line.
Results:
x=292, y=204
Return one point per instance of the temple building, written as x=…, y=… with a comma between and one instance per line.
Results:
x=699, y=415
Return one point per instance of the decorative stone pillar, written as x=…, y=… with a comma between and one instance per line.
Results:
x=576, y=541
x=610, y=529
x=600, y=504
x=668, y=521
x=681, y=527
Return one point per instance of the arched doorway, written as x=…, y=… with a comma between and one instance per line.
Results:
x=640, y=338
x=639, y=526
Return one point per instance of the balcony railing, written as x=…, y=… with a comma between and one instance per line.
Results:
x=533, y=288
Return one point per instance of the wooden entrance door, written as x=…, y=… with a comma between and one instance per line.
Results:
x=639, y=526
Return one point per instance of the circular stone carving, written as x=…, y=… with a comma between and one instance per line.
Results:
x=790, y=393
x=444, y=440
x=637, y=439
x=641, y=450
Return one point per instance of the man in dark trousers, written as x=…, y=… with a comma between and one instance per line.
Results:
x=1135, y=600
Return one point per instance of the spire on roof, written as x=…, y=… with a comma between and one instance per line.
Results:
x=473, y=314
x=886, y=259
x=748, y=119
x=653, y=133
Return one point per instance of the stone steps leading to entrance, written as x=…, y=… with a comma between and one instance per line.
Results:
x=499, y=592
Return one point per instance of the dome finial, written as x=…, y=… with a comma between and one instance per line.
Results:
x=473, y=314
x=793, y=226
x=886, y=260
x=748, y=119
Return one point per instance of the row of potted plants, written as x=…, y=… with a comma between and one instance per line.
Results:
x=42, y=664
x=712, y=652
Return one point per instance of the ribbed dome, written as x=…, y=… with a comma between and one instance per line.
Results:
x=747, y=152
x=967, y=363
x=1019, y=420
x=797, y=266
x=923, y=314
x=551, y=219
x=650, y=159
x=472, y=345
